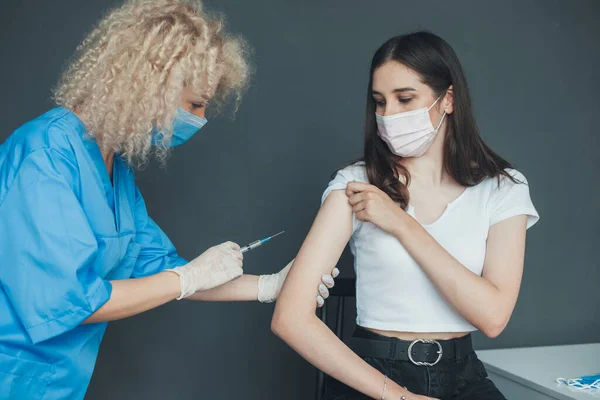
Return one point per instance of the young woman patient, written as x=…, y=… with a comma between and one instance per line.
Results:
x=436, y=222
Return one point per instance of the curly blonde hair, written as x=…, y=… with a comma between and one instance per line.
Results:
x=129, y=72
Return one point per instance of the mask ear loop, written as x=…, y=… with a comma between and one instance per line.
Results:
x=594, y=385
x=443, y=116
x=435, y=102
x=441, y=120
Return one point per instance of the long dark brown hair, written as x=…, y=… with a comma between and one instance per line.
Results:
x=466, y=157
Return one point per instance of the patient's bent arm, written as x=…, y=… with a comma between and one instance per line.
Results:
x=294, y=319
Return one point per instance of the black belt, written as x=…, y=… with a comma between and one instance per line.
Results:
x=420, y=352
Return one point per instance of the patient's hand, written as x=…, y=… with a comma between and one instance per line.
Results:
x=371, y=204
x=269, y=286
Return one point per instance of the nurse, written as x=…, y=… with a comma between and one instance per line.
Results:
x=78, y=248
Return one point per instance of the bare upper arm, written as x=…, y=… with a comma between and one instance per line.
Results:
x=505, y=253
x=319, y=253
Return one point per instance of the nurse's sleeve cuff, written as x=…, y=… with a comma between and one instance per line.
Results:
x=73, y=317
x=177, y=262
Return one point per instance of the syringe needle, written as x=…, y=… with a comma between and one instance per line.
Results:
x=277, y=234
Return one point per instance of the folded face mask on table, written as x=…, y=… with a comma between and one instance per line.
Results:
x=590, y=382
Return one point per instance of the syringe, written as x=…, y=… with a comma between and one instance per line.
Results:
x=258, y=243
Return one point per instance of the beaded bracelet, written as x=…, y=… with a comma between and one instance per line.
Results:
x=403, y=397
x=385, y=379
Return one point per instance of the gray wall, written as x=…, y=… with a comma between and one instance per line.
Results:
x=533, y=70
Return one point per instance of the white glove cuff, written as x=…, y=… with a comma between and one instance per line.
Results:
x=267, y=288
x=183, y=293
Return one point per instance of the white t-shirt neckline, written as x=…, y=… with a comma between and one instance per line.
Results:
x=412, y=212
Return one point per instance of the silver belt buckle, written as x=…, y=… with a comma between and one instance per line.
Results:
x=426, y=341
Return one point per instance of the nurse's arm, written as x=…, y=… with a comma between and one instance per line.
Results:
x=130, y=297
x=294, y=319
x=245, y=288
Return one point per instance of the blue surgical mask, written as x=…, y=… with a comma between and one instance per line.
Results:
x=589, y=382
x=185, y=126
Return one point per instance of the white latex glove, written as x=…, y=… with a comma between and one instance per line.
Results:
x=216, y=266
x=269, y=286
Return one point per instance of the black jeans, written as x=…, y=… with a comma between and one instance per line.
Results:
x=461, y=378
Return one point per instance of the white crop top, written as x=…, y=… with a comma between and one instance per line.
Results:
x=392, y=292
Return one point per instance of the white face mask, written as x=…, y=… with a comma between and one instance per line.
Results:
x=410, y=133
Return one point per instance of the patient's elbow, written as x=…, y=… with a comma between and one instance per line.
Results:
x=494, y=326
x=280, y=324
x=277, y=325
x=286, y=321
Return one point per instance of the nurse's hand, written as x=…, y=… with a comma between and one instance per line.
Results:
x=216, y=266
x=269, y=286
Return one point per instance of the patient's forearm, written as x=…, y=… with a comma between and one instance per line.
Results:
x=314, y=341
x=245, y=288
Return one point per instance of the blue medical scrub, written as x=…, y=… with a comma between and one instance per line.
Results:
x=65, y=232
